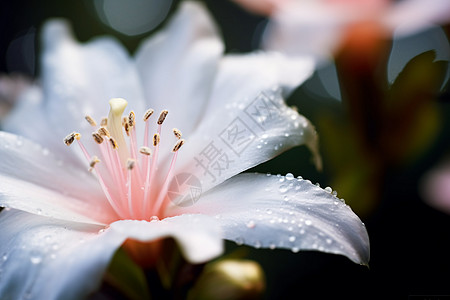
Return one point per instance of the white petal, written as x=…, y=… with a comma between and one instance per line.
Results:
x=199, y=236
x=284, y=212
x=410, y=16
x=242, y=135
x=79, y=80
x=44, y=258
x=241, y=78
x=306, y=28
x=177, y=66
x=35, y=180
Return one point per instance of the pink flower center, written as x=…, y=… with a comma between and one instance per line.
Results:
x=127, y=173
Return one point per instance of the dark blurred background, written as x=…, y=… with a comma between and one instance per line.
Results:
x=410, y=253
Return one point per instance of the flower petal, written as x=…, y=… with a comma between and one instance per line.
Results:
x=35, y=180
x=178, y=65
x=44, y=258
x=244, y=134
x=199, y=236
x=79, y=80
x=284, y=212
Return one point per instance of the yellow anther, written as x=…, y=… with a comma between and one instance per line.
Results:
x=68, y=140
x=104, y=122
x=131, y=163
x=91, y=121
x=177, y=133
x=113, y=143
x=145, y=150
x=148, y=114
x=103, y=132
x=162, y=117
x=178, y=145
x=156, y=139
x=97, y=137
x=131, y=119
x=93, y=162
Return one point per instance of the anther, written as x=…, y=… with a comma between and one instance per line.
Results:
x=178, y=145
x=131, y=119
x=68, y=140
x=127, y=128
x=113, y=143
x=90, y=120
x=177, y=133
x=148, y=114
x=162, y=117
x=93, y=162
x=131, y=163
x=124, y=120
x=104, y=122
x=145, y=150
x=156, y=139
x=103, y=132
x=97, y=137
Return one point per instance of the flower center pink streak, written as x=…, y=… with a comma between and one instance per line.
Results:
x=126, y=172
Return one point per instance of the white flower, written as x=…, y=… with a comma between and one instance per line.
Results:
x=317, y=28
x=61, y=227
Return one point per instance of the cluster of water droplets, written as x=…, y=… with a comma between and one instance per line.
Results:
x=298, y=230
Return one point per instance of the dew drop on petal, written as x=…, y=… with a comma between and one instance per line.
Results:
x=251, y=224
x=272, y=246
x=239, y=241
x=154, y=219
x=292, y=239
x=328, y=189
x=283, y=188
x=295, y=249
x=289, y=176
x=329, y=241
x=5, y=257
x=308, y=222
x=257, y=244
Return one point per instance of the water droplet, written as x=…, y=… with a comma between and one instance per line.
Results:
x=272, y=246
x=251, y=225
x=334, y=193
x=39, y=211
x=295, y=249
x=258, y=146
x=283, y=188
x=336, y=202
x=281, y=179
x=328, y=189
x=101, y=231
x=289, y=176
x=268, y=174
x=302, y=231
x=286, y=199
x=275, y=147
x=292, y=239
x=257, y=244
x=154, y=219
x=308, y=222
x=269, y=211
x=329, y=241
x=5, y=257
x=286, y=134
x=239, y=241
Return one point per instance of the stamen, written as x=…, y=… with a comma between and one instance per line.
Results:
x=178, y=145
x=90, y=120
x=113, y=143
x=127, y=128
x=97, y=137
x=69, y=139
x=162, y=117
x=177, y=133
x=103, y=132
x=131, y=119
x=145, y=150
x=131, y=163
x=148, y=114
x=93, y=162
x=104, y=122
x=156, y=139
